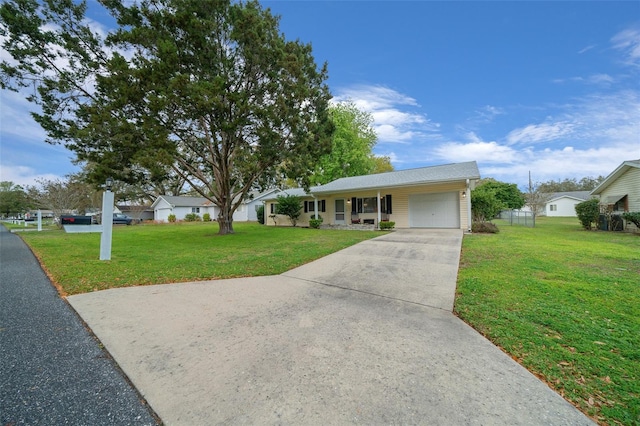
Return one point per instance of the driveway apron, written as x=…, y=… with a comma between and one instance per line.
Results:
x=52, y=370
x=363, y=336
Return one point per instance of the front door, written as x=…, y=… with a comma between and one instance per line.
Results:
x=339, y=220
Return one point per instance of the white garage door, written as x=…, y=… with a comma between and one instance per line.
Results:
x=440, y=210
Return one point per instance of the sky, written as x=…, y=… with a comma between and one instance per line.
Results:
x=550, y=88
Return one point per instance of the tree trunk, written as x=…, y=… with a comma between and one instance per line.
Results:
x=225, y=222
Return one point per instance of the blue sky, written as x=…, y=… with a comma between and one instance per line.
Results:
x=551, y=88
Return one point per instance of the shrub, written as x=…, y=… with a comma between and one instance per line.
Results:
x=171, y=218
x=260, y=214
x=206, y=217
x=291, y=206
x=385, y=226
x=315, y=223
x=633, y=217
x=192, y=217
x=484, y=228
x=484, y=204
x=588, y=212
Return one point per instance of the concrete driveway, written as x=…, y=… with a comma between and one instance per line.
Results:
x=363, y=336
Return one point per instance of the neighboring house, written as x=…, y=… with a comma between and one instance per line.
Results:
x=181, y=206
x=248, y=210
x=620, y=191
x=166, y=205
x=426, y=197
x=564, y=203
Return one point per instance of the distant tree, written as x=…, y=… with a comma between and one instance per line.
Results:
x=382, y=164
x=569, y=185
x=142, y=192
x=536, y=199
x=13, y=199
x=351, y=145
x=507, y=193
x=210, y=90
x=64, y=196
x=291, y=206
x=589, y=183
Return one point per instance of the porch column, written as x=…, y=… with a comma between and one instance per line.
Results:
x=379, y=212
x=315, y=206
x=468, y=197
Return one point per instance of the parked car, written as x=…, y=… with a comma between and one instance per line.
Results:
x=121, y=219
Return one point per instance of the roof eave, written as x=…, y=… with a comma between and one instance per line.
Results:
x=400, y=185
x=621, y=169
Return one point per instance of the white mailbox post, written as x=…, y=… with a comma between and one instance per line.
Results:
x=107, y=221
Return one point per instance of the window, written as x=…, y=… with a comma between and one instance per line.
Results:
x=309, y=206
x=553, y=207
x=620, y=205
x=195, y=209
x=370, y=205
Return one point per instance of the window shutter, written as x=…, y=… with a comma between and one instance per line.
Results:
x=354, y=207
x=323, y=205
x=306, y=208
x=388, y=203
x=271, y=208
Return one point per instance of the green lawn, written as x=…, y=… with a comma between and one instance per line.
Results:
x=562, y=301
x=157, y=254
x=565, y=303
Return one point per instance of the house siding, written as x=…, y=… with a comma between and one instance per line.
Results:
x=566, y=207
x=400, y=196
x=400, y=205
x=628, y=183
x=282, y=220
x=163, y=209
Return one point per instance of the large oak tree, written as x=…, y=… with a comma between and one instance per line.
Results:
x=209, y=90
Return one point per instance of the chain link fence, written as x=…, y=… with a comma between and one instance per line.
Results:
x=518, y=217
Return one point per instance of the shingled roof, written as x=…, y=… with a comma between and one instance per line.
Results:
x=184, y=201
x=419, y=176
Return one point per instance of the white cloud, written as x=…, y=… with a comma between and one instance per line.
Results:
x=23, y=175
x=589, y=137
x=628, y=41
x=475, y=149
x=372, y=97
x=586, y=49
x=389, y=133
x=489, y=112
x=534, y=133
x=393, y=113
x=396, y=117
x=482, y=152
x=553, y=164
x=595, y=79
x=16, y=120
x=599, y=79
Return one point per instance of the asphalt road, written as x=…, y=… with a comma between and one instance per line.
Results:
x=52, y=370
